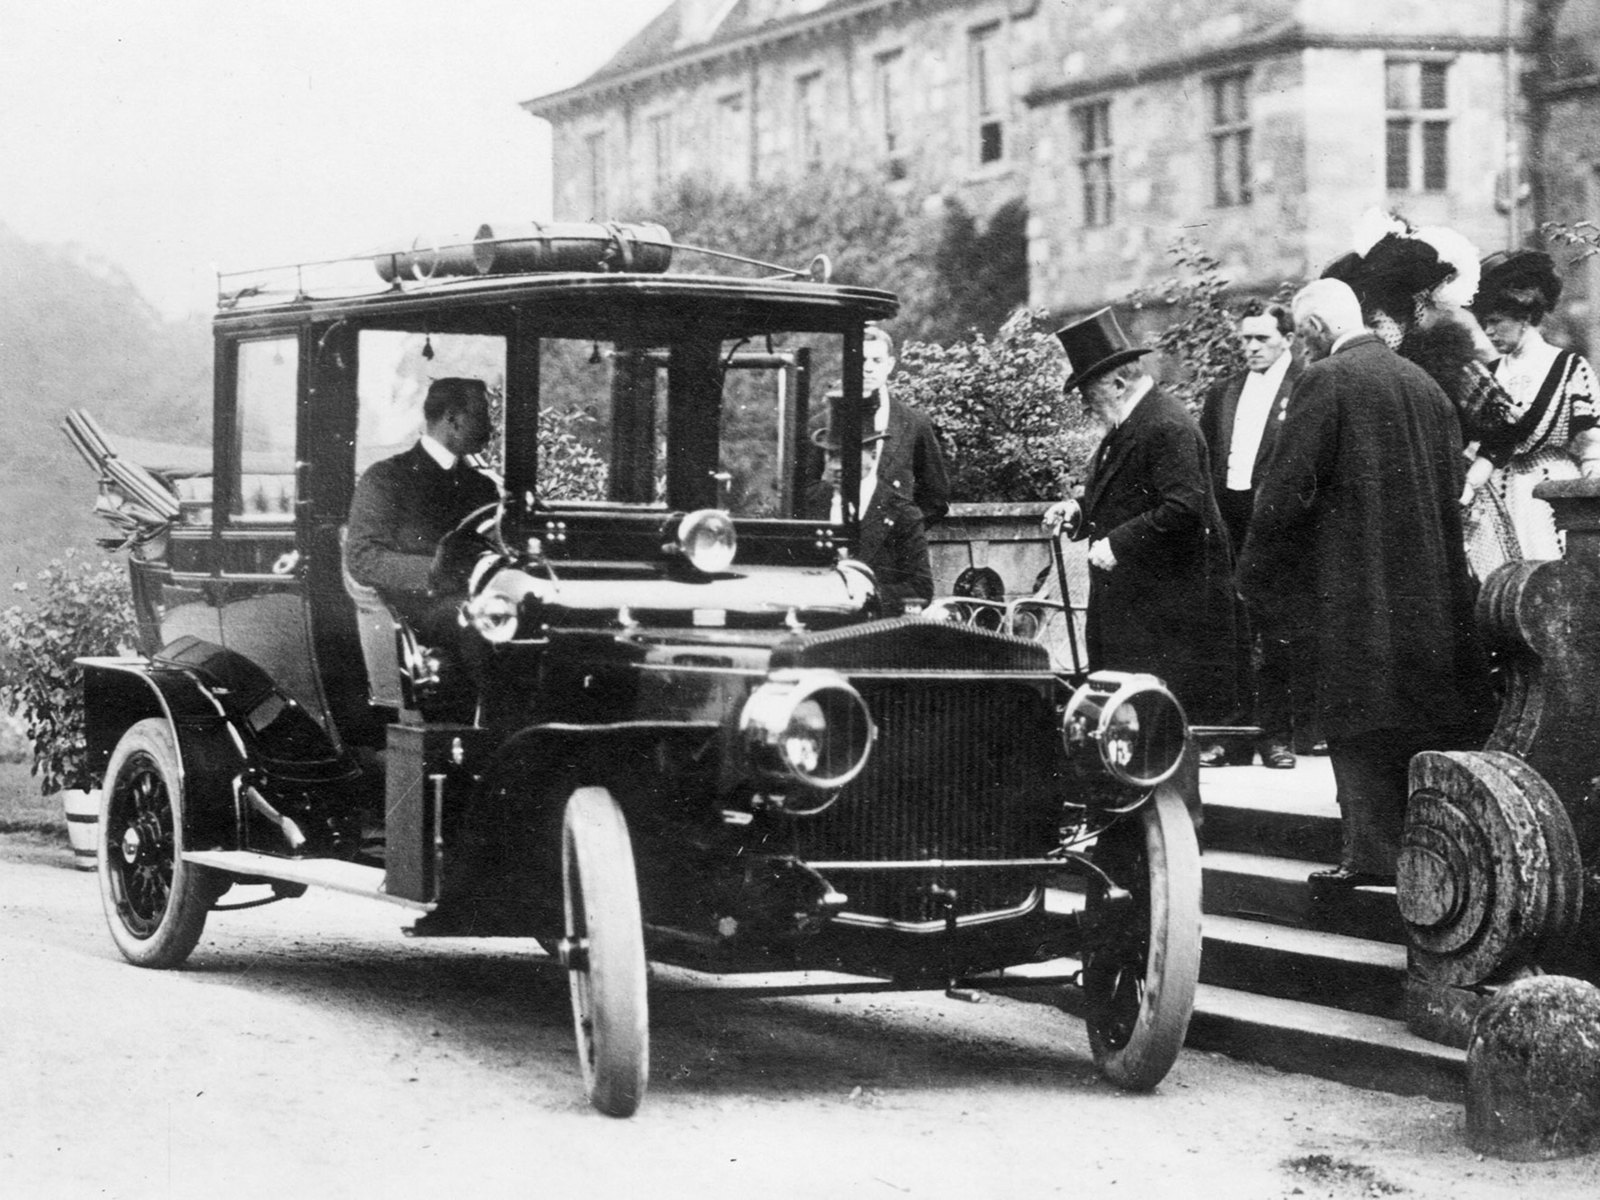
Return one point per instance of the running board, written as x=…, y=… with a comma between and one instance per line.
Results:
x=332, y=873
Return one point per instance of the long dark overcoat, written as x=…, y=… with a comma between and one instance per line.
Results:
x=1168, y=606
x=1357, y=527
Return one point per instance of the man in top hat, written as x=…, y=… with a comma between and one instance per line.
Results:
x=892, y=541
x=1160, y=586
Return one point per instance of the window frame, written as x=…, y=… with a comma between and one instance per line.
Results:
x=1417, y=133
x=732, y=149
x=1094, y=154
x=1231, y=132
x=986, y=93
x=594, y=162
x=663, y=149
x=889, y=96
x=810, y=112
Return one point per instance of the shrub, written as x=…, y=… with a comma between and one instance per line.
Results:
x=1009, y=433
x=74, y=607
x=1202, y=342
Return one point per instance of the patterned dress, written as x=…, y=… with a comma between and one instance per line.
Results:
x=1556, y=393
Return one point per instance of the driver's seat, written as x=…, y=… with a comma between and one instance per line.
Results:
x=386, y=640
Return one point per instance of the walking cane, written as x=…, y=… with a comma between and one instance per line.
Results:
x=1066, y=598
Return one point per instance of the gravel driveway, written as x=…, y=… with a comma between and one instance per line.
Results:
x=310, y=1050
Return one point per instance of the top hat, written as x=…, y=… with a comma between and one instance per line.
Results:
x=825, y=436
x=828, y=440
x=1518, y=281
x=1094, y=346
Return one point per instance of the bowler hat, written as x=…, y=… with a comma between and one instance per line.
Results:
x=1094, y=346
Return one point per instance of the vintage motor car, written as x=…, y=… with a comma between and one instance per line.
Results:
x=681, y=723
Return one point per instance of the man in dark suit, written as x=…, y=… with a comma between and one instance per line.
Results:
x=1357, y=525
x=1240, y=422
x=1160, y=586
x=911, y=462
x=892, y=540
x=404, y=505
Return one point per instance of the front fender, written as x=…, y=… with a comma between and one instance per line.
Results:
x=121, y=691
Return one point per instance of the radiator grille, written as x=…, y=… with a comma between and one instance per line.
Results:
x=961, y=770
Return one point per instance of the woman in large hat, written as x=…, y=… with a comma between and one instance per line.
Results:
x=1415, y=287
x=1553, y=391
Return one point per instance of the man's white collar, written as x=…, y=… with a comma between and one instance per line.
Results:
x=438, y=453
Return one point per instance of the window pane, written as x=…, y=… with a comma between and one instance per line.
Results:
x=1397, y=156
x=392, y=381
x=990, y=145
x=1246, y=193
x=267, y=379
x=982, y=67
x=595, y=150
x=891, y=98
x=1433, y=84
x=1435, y=155
x=1399, y=82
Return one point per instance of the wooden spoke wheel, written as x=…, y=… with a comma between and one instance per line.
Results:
x=1489, y=871
x=155, y=903
x=1142, y=960
x=604, y=952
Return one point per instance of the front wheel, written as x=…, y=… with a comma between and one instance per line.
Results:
x=1143, y=962
x=155, y=903
x=604, y=952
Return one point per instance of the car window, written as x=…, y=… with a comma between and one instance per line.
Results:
x=392, y=383
x=741, y=441
x=267, y=373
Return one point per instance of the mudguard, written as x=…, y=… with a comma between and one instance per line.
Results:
x=227, y=717
x=119, y=692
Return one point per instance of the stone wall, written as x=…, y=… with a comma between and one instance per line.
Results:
x=940, y=153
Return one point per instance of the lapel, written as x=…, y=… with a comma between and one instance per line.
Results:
x=1227, y=411
x=892, y=463
x=1275, y=418
x=1115, y=449
x=875, y=522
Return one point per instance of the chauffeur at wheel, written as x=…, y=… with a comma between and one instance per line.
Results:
x=404, y=505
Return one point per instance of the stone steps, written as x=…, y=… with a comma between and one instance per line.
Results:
x=1302, y=983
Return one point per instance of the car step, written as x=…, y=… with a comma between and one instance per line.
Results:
x=332, y=873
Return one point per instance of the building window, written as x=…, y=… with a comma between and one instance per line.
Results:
x=808, y=117
x=1417, y=148
x=1092, y=125
x=594, y=168
x=661, y=157
x=1230, y=139
x=730, y=137
x=889, y=91
x=988, y=92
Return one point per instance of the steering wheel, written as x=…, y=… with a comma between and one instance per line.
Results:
x=476, y=534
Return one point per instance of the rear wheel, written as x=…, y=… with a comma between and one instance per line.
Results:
x=1142, y=963
x=155, y=903
x=604, y=951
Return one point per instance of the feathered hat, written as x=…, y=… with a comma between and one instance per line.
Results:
x=1518, y=282
x=1394, y=265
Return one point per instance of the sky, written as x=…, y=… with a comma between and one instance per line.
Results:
x=174, y=137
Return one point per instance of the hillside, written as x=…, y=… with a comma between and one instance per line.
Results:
x=76, y=333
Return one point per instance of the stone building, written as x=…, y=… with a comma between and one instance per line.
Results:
x=1261, y=128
